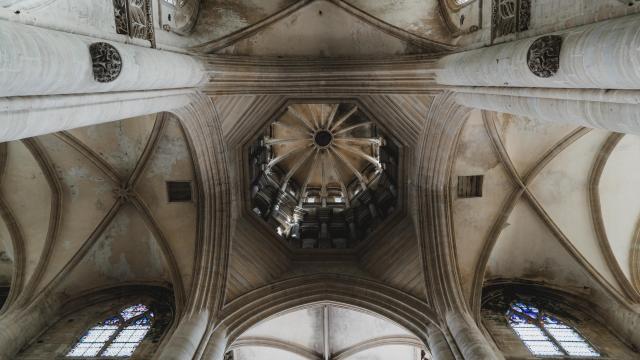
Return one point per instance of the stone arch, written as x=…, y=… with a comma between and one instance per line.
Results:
x=432, y=198
x=372, y=343
x=203, y=130
x=400, y=308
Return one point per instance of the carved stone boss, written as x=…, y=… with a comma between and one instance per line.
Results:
x=107, y=62
x=134, y=18
x=543, y=56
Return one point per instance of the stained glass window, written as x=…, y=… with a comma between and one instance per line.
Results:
x=116, y=336
x=546, y=335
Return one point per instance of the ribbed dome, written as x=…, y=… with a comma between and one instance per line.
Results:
x=319, y=175
x=325, y=147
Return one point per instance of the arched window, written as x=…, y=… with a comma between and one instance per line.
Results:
x=117, y=336
x=546, y=335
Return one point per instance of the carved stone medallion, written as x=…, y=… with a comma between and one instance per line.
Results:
x=543, y=57
x=106, y=60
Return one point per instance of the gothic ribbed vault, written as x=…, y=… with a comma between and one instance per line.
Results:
x=319, y=179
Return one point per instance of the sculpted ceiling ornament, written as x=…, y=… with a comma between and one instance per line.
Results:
x=543, y=57
x=323, y=175
x=107, y=63
x=123, y=193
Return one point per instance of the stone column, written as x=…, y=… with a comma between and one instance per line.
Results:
x=602, y=55
x=186, y=339
x=52, y=81
x=27, y=116
x=469, y=339
x=216, y=345
x=557, y=77
x=612, y=116
x=438, y=344
x=622, y=318
x=37, y=61
x=20, y=325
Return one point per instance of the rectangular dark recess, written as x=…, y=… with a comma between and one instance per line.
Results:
x=470, y=186
x=179, y=191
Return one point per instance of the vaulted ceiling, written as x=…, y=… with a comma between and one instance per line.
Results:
x=88, y=209
x=324, y=28
x=558, y=207
x=327, y=331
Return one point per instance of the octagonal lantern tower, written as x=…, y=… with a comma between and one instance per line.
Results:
x=323, y=175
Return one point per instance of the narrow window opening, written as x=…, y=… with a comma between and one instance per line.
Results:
x=179, y=191
x=470, y=186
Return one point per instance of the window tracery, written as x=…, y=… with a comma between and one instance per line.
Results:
x=117, y=336
x=546, y=335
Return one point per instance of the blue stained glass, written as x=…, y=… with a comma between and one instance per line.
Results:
x=114, y=320
x=535, y=329
x=133, y=311
x=142, y=321
x=550, y=320
x=517, y=318
x=528, y=310
x=118, y=338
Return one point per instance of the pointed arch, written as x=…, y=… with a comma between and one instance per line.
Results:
x=401, y=308
x=545, y=334
x=118, y=335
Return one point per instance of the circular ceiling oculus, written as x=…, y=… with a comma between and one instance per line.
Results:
x=323, y=138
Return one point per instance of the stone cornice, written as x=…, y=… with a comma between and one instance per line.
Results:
x=268, y=75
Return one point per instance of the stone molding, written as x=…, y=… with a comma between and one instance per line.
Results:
x=228, y=75
x=206, y=297
x=432, y=203
x=630, y=291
